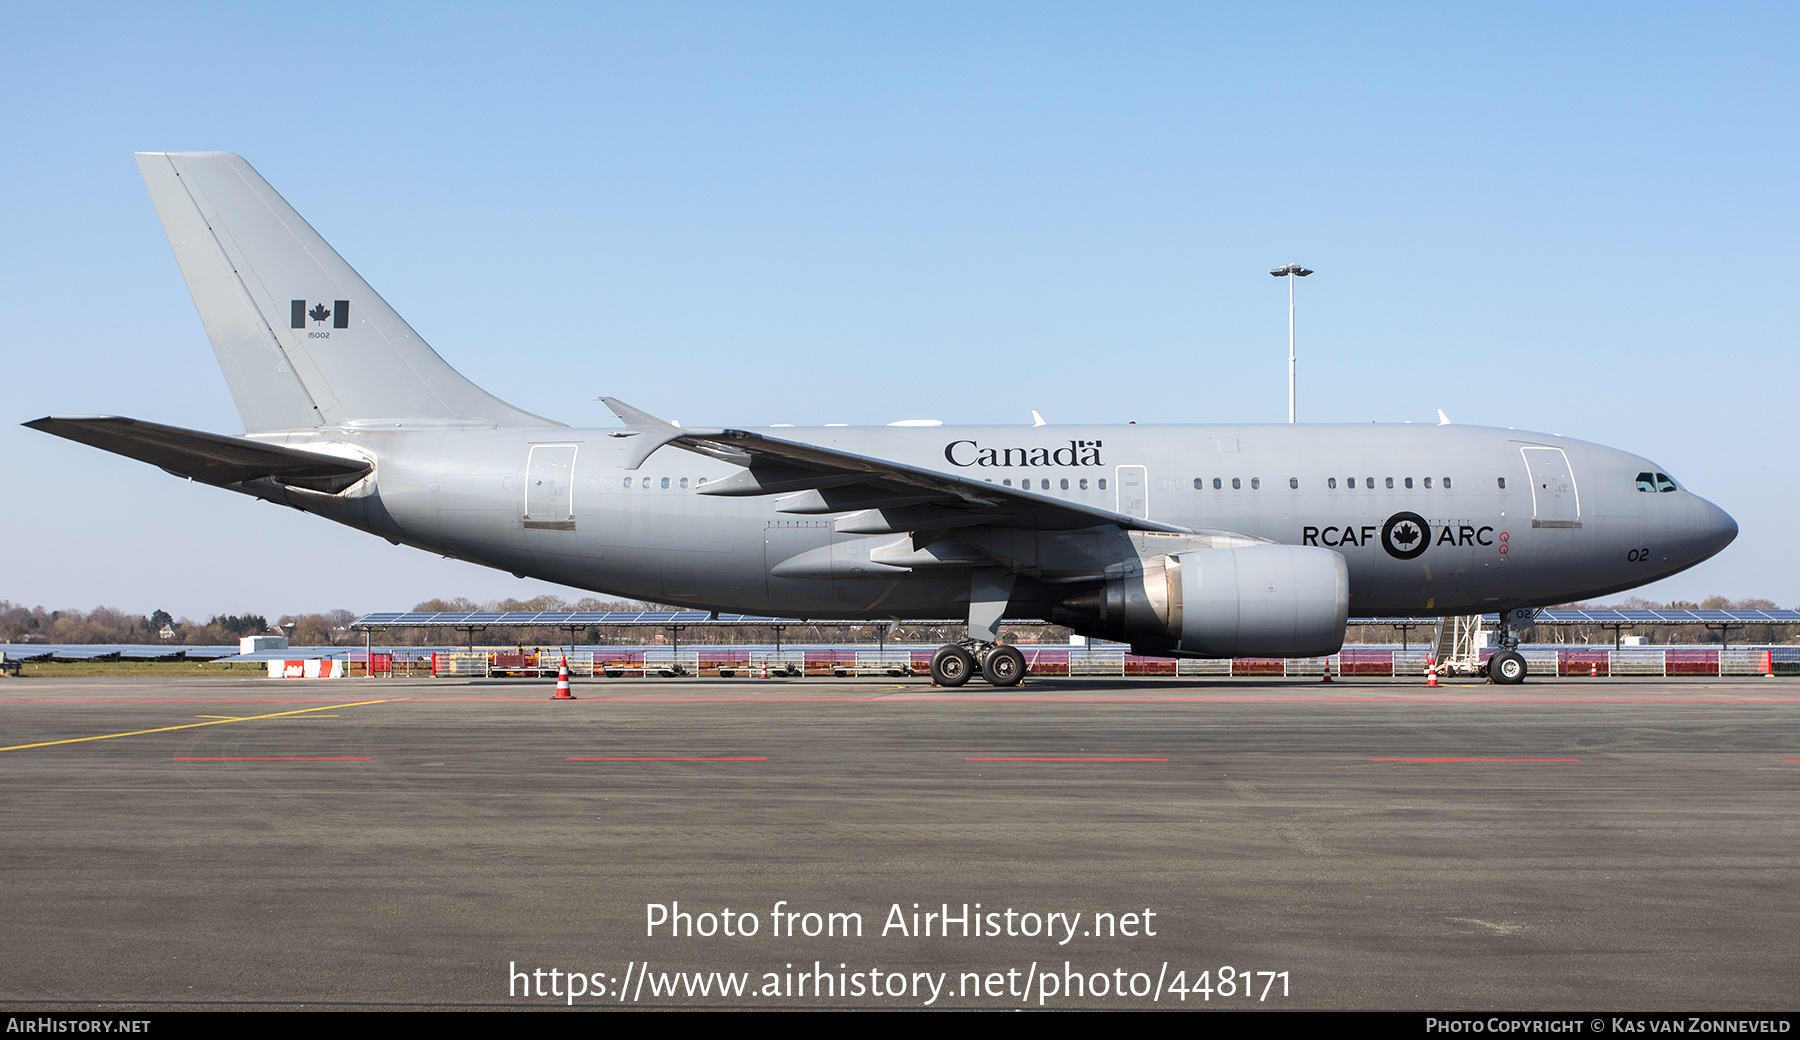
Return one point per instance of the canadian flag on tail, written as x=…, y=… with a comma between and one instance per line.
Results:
x=339, y=314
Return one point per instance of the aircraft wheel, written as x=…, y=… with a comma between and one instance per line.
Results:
x=952, y=666
x=1003, y=666
x=1507, y=668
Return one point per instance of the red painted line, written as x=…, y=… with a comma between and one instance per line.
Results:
x=1065, y=760
x=1474, y=759
x=279, y=758
x=665, y=758
x=185, y=700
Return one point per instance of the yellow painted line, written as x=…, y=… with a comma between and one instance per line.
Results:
x=240, y=718
x=191, y=725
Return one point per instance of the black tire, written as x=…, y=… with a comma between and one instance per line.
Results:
x=952, y=666
x=1506, y=668
x=1003, y=666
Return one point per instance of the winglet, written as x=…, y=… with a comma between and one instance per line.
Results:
x=652, y=433
x=1443, y=420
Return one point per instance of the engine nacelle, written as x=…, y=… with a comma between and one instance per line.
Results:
x=1256, y=601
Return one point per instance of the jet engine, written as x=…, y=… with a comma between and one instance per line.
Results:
x=1255, y=601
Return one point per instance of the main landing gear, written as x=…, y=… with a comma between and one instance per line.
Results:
x=990, y=588
x=999, y=664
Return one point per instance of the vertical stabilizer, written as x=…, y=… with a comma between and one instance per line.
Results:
x=302, y=339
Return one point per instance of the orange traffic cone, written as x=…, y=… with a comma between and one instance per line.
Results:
x=1327, y=677
x=1594, y=668
x=562, y=683
x=1431, y=671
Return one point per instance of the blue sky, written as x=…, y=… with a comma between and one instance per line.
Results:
x=1578, y=219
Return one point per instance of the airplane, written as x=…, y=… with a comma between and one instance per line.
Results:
x=1184, y=541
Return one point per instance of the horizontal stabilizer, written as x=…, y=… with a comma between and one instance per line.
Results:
x=206, y=457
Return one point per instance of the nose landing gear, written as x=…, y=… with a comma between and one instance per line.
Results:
x=1507, y=666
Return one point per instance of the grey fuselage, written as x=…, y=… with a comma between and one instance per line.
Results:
x=1511, y=518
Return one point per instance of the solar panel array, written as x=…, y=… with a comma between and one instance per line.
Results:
x=123, y=651
x=574, y=619
x=1625, y=617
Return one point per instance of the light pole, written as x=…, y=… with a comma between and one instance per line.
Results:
x=1292, y=271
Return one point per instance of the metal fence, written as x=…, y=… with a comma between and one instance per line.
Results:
x=1102, y=660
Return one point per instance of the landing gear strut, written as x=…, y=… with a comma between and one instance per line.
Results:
x=999, y=664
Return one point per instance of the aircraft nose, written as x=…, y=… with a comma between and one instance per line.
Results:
x=1700, y=530
x=1719, y=528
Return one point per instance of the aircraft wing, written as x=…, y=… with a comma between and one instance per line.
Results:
x=207, y=457
x=825, y=480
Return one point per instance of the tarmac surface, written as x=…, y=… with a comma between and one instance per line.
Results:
x=1578, y=844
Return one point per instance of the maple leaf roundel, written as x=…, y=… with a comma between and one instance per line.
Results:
x=1405, y=535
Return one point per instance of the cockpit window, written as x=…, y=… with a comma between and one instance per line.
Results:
x=1664, y=482
x=1646, y=482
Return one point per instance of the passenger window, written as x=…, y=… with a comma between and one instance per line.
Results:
x=1065, y=483
x=1236, y=484
x=1294, y=482
x=1199, y=484
x=1103, y=483
x=684, y=482
x=1390, y=483
x=1447, y=483
x=1331, y=482
x=1007, y=482
x=665, y=482
x=1409, y=483
x=1370, y=483
x=1084, y=483
x=1428, y=483
x=1217, y=483
x=628, y=482
x=1502, y=483
x=1255, y=483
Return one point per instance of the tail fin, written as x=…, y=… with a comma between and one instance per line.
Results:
x=302, y=339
